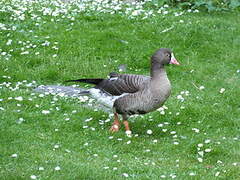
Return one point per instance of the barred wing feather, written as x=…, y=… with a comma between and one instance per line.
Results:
x=119, y=84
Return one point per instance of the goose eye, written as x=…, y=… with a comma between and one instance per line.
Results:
x=168, y=55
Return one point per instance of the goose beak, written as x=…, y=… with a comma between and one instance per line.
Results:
x=173, y=60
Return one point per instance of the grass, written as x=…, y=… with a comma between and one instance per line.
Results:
x=207, y=45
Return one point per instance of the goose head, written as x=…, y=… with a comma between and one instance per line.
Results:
x=164, y=56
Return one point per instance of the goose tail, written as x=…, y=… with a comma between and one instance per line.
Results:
x=89, y=81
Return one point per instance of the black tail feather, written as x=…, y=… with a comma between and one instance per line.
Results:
x=90, y=81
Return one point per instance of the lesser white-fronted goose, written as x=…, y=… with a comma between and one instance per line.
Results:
x=136, y=94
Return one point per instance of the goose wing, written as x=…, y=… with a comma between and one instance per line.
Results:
x=119, y=84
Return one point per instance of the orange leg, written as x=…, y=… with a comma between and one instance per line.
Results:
x=126, y=124
x=116, y=124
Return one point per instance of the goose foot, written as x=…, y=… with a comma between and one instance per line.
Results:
x=128, y=133
x=116, y=124
x=127, y=128
x=115, y=127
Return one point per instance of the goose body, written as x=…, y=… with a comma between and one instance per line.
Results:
x=150, y=96
x=135, y=94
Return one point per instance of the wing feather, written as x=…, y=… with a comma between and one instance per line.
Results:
x=119, y=84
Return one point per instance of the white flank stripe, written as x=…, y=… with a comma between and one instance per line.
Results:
x=113, y=78
x=104, y=98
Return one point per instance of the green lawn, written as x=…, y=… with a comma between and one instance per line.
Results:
x=198, y=137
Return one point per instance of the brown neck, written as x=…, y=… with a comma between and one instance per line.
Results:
x=157, y=70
